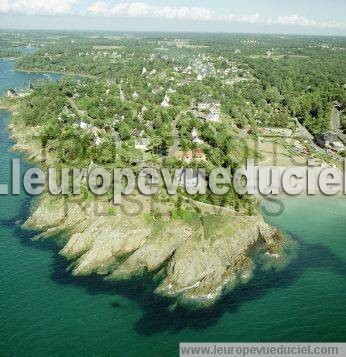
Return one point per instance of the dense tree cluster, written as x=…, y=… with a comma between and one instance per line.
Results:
x=130, y=87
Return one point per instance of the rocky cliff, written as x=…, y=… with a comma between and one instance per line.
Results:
x=190, y=266
x=193, y=260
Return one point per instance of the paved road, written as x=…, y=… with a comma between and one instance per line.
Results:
x=174, y=148
x=336, y=124
x=306, y=134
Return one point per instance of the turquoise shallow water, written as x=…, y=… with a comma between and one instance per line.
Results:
x=44, y=311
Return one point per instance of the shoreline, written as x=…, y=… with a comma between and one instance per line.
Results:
x=189, y=270
x=8, y=58
x=46, y=71
x=53, y=72
x=10, y=107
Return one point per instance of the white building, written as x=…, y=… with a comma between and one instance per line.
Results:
x=142, y=144
x=97, y=140
x=91, y=129
x=203, y=106
x=212, y=110
x=118, y=119
x=165, y=102
x=195, y=137
x=141, y=114
x=214, y=114
x=338, y=146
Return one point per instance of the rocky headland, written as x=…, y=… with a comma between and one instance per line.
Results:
x=194, y=258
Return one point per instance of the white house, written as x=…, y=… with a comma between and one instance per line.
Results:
x=214, y=114
x=118, y=119
x=203, y=106
x=97, y=140
x=212, y=110
x=165, y=102
x=142, y=144
x=141, y=114
x=195, y=137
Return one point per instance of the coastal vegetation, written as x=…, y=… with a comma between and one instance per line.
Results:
x=197, y=101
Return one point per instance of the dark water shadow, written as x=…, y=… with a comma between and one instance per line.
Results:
x=157, y=313
x=309, y=256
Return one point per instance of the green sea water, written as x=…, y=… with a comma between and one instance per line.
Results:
x=44, y=311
